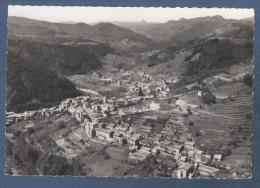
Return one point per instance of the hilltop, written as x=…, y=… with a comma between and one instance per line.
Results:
x=120, y=38
x=185, y=48
x=62, y=59
x=199, y=57
x=185, y=30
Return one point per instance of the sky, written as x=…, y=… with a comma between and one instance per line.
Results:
x=124, y=14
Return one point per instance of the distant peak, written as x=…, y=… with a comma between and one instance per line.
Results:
x=218, y=17
x=105, y=25
x=69, y=22
x=81, y=24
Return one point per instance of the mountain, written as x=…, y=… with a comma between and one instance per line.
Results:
x=31, y=85
x=117, y=37
x=204, y=56
x=35, y=71
x=185, y=30
x=191, y=47
x=120, y=38
x=63, y=59
x=42, y=53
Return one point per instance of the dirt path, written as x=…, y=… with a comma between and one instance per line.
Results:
x=217, y=115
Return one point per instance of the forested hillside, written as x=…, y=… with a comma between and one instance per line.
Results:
x=31, y=85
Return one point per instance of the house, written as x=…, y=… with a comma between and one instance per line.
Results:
x=147, y=142
x=178, y=149
x=104, y=134
x=122, y=141
x=198, y=154
x=174, y=149
x=80, y=116
x=155, y=150
x=134, y=139
x=154, y=106
x=97, y=107
x=191, y=86
x=145, y=149
x=189, y=145
x=217, y=157
x=184, y=170
x=206, y=170
x=205, y=158
x=191, y=153
x=201, y=93
x=90, y=128
x=138, y=155
x=183, y=158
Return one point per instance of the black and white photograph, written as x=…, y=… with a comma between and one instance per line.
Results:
x=129, y=92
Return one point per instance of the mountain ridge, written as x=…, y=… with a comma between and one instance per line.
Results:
x=120, y=38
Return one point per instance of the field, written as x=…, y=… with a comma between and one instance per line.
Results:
x=107, y=161
x=226, y=127
x=98, y=85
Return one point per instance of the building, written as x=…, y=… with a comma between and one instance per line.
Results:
x=207, y=170
x=154, y=106
x=185, y=170
x=201, y=93
x=155, y=150
x=191, y=86
x=90, y=128
x=217, y=157
x=104, y=134
x=205, y=158
x=198, y=155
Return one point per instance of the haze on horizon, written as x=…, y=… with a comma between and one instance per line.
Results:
x=121, y=14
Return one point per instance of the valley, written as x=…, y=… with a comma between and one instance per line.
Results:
x=172, y=99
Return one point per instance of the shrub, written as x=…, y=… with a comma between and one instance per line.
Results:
x=30, y=130
x=208, y=98
x=189, y=111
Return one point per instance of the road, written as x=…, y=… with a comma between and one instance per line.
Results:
x=88, y=91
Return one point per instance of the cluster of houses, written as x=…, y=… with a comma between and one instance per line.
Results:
x=101, y=118
x=160, y=89
x=53, y=112
x=174, y=140
x=133, y=82
x=145, y=75
x=73, y=105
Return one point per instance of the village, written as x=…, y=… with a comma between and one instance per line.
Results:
x=125, y=121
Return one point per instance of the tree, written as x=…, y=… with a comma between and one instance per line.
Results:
x=140, y=92
x=208, y=98
x=248, y=80
x=198, y=133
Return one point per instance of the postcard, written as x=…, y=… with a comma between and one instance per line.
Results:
x=129, y=92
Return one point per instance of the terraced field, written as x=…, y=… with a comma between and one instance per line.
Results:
x=226, y=127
